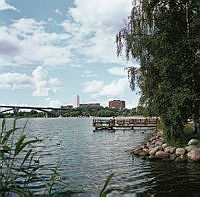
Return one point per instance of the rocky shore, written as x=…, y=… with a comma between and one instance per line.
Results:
x=155, y=149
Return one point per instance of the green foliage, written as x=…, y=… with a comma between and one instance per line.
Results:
x=197, y=144
x=164, y=36
x=84, y=112
x=18, y=167
x=186, y=134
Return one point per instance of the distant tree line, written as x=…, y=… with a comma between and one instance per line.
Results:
x=78, y=112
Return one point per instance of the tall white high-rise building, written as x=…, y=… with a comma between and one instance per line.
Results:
x=76, y=102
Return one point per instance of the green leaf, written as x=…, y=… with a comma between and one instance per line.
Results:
x=6, y=149
x=3, y=124
x=26, y=157
x=18, y=144
x=7, y=135
x=106, y=184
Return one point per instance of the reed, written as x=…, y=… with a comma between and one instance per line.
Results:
x=20, y=166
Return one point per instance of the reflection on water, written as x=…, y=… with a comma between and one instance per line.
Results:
x=89, y=157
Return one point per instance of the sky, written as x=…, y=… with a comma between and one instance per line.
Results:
x=51, y=50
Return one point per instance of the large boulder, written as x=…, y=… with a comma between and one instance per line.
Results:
x=136, y=151
x=192, y=141
x=158, y=143
x=180, y=151
x=152, y=138
x=189, y=148
x=170, y=149
x=143, y=153
x=164, y=145
x=162, y=155
x=154, y=150
x=172, y=157
x=194, y=155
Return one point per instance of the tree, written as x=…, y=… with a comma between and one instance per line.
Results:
x=164, y=36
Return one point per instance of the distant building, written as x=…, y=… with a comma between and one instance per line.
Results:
x=76, y=102
x=90, y=105
x=116, y=104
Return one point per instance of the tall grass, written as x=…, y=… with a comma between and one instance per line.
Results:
x=20, y=167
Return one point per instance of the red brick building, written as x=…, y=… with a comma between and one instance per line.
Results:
x=116, y=104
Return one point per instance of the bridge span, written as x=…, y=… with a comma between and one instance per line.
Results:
x=43, y=109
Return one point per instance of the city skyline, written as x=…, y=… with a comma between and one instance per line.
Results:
x=51, y=50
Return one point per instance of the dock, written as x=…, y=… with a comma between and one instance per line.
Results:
x=124, y=123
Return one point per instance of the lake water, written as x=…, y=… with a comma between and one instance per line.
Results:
x=89, y=157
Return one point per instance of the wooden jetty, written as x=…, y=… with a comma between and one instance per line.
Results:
x=123, y=123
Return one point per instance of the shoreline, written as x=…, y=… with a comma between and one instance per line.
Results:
x=155, y=148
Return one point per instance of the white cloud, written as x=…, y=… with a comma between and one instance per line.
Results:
x=54, y=103
x=43, y=85
x=98, y=89
x=115, y=88
x=91, y=26
x=55, y=84
x=31, y=44
x=7, y=48
x=57, y=11
x=39, y=73
x=92, y=86
x=94, y=25
x=118, y=71
x=6, y=6
x=15, y=81
x=134, y=103
x=88, y=74
x=39, y=82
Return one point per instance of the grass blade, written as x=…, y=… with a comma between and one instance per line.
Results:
x=7, y=135
x=26, y=157
x=106, y=184
x=18, y=144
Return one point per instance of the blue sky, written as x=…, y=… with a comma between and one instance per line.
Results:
x=51, y=50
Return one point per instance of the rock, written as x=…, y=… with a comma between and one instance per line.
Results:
x=148, y=144
x=153, y=142
x=192, y=141
x=164, y=145
x=180, y=151
x=172, y=157
x=146, y=150
x=170, y=149
x=136, y=151
x=159, y=134
x=194, y=155
x=158, y=143
x=143, y=153
x=152, y=138
x=184, y=157
x=154, y=150
x=162, y=155
x=181, y=158
x=191, y=147
x=152, y=157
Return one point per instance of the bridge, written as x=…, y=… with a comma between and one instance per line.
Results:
x=15, y=109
